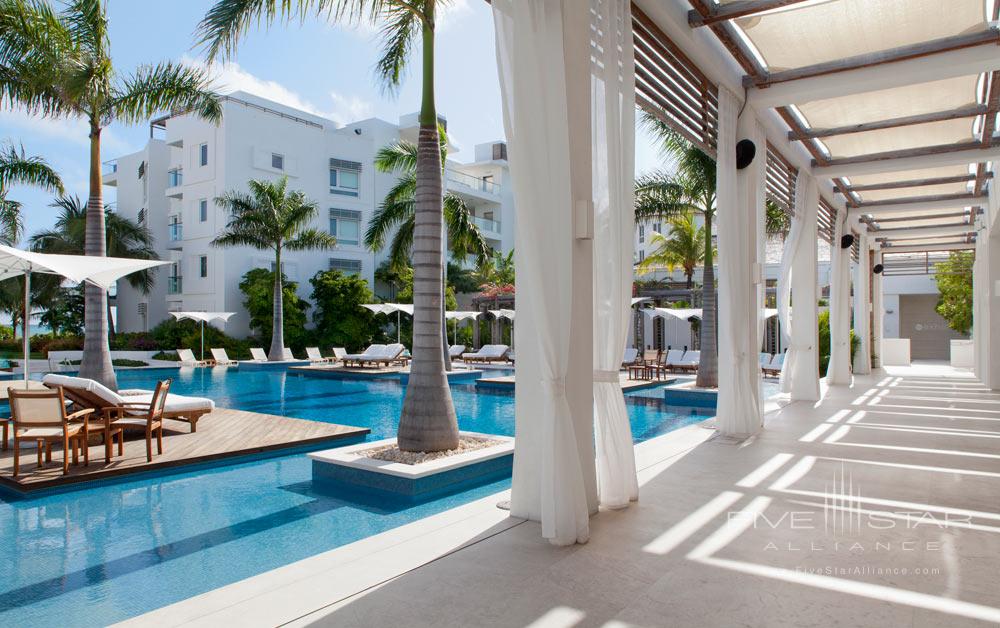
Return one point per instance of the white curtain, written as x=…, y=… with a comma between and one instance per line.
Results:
x=839, y=370
x=878, y=315
x=739, y=411
x=862, y=277
x=800, y=371
x=534, y=69
x=613, y=111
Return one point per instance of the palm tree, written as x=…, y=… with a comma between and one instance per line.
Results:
x=428, y=421
x=684, y=246
x=16, y=168
x=123, y=238
x=270, y=218
x=58, y=64
x=496, y=272
x=689, y=189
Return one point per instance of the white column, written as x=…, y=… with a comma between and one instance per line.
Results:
x=739, y=201
x=798, y=284
x=991, y=309
x=878, y=315
x=543, y=58
x=839, y=370
x=862, y=307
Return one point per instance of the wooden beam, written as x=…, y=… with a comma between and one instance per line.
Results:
x=919, y=233
x=969, y=111
x=927, y=248
x=963, y=214
x=892, y=55
x=907, y=159
x=989, y=122
x=877, y=209
x=912, y=183
x=733, y=10
x=967, y=198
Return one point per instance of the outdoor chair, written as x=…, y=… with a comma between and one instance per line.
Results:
x=773, y=369
x=40, y=416
x=257, y=355
x=456, y=351
x=673, y=357
x=386, y=356
x=689, y=362
x=147, y=416
x=188, y=359
x=373, y=351
x=221, y=357
x=631, y=356
x=339, y=353
x=488, y=353
x=86, y=393
x=286, y=354
x=765, y=359
x=314, y=355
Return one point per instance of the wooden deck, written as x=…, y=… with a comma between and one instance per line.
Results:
x=221, y=434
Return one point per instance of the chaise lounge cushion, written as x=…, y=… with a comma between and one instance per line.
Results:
x=174, y=403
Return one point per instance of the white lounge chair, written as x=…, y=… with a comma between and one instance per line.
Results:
x=630, y=357
x=188, y=359
x=388, y=355
x=313, y=354
x=87, y=393
x=774, y=367
x=689, y=362
x=257, y=355
x=221, y=357
x=456, y=351
x=673, y=358
x=339, y=353
x=488, y=353
x=765, y=359
x=286, y=354
x=373, y=351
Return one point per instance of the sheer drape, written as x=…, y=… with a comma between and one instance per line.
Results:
x=800, y=371
x=839, y=370
x=613, y=111
x=739, y=410
x=534, y=65
x=862, y=275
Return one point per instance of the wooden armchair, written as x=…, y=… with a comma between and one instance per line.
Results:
x=40, y=416
x=144, y=416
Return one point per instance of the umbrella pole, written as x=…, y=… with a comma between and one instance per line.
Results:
x=397, y=326
x=202, y=340
x=26, y=339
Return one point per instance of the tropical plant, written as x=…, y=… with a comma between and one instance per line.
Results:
x=124, y=238
x=776, y=220
x=954, y=281
x=16, y=168
x=57, y=63
x=396, y=215
x=496, y=272
x=428, y=421
x=338, y=316
x=689, y=189
x=684, y=246
x=258, y=286
x=270, y=218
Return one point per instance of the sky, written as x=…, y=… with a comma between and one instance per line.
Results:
x=323, y=68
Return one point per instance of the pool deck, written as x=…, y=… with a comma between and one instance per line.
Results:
x=224, y=433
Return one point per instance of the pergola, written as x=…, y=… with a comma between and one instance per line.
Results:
x=872, y=124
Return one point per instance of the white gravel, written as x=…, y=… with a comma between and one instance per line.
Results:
x=392, y=453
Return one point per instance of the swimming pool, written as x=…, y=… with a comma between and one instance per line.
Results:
x=113, y=551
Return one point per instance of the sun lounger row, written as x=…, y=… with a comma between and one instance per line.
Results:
x=771, y=364
x=377, y=355
x=489, y=353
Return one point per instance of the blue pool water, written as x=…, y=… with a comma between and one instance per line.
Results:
x=119, y=549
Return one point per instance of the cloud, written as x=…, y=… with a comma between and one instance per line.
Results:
x=71, y=130
x=230, y=77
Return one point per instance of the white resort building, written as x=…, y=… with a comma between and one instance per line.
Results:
x=171, y=184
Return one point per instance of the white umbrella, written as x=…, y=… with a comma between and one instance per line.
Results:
x=203, y=317
x=458, y=317
x=389, y=308
x=99, y=271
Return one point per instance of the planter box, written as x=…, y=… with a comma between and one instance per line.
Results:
x=345, y=468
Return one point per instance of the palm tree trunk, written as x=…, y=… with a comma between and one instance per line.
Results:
x=96, y=361
x=428, y=421
x=277, y=313
x=708, y=367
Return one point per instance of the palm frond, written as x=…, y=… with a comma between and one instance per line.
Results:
x=165, y=86
x=464, y=237
x=387, y=217
x=398, y=35
x=11, y=222
x=402, y=244
x=17, y=168
x=87, y=23
x=398, y=157
x=311, y=240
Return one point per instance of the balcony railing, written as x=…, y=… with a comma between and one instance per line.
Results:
x=469, y=181
x=175, y=285
x=176, y=231
x=175, y=177
x=109, y=167
x=486, y=224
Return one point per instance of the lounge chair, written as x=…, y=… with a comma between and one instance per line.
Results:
x=630, y=357
x=388, y=355
x=488, y=353
x=339, y=353
x=313, y=354
x=689, y=362
x=286, y=354
x=765, y=359
x=257, y=355
x=673, y=357
x=373, y=351
x=773, y=369
x=86, y=393
x=146, y=415
x=456, y=351
x=221, y=357
x=40, y=417
x=188, y=359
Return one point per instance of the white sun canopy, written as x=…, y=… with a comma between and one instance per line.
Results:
x=389, y=308
x=461, y=316
x=100, y=271
x=202, y=318
x=502, y=313
x=689, y=313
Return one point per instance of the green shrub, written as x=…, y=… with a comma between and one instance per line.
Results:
x=339, y=318
x=119, y=362
x=167, y=355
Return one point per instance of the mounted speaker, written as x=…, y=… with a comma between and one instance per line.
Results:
x=746, y=150
x=847, y=241
x=878, y=268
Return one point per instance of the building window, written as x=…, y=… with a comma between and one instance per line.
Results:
x=203, y=210
x=344, y=177
x=142, y=216
x=345, y=225
x=277, y=161
x=203, y=265
x=203, y=154
x=642, y=254
x=350, y=266
x=657, y=227
x=642, y=233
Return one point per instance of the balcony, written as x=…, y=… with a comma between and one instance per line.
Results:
x=485, y=224
x=109, y=172
x=175, y=179
x=175, y=285
x=176, y=235
x=469, y=182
